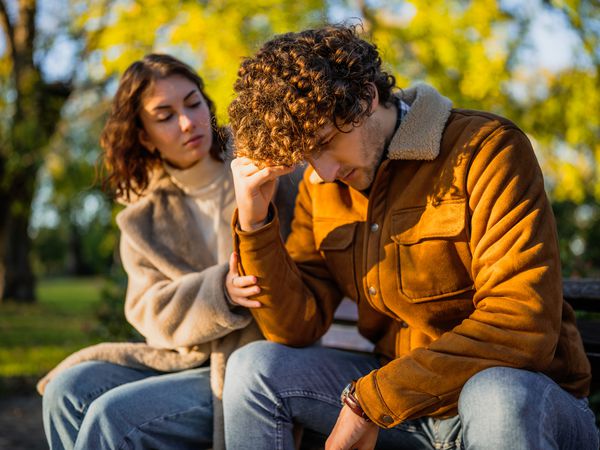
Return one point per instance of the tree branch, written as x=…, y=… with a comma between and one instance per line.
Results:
x=8, y=30
x=24, y=33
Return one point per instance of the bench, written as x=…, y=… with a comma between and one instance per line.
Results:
x=583, y=295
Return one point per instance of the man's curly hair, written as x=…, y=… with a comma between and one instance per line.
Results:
x=299, y=82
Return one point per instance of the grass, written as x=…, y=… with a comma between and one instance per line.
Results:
x=36, y=337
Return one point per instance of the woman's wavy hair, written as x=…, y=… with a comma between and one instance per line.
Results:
x=297, y=83
x=128, y=164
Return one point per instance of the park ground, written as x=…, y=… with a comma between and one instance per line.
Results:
x=33, y=339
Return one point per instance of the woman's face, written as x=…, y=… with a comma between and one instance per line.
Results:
x=176, y=121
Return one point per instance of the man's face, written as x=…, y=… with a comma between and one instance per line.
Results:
x=352, y=155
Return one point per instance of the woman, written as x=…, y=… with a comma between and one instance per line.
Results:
x=165, y=158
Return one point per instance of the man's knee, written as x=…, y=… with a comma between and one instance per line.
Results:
x=257, y=369
x=259, y=358
x=499, y=391
x=496, y=403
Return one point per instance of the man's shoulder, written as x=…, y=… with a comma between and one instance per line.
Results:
x=468, y=127
x=472, y=117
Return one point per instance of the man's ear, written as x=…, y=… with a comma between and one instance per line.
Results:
x=146, y=141
x=375, y=100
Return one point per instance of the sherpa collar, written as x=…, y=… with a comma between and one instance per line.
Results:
x=420, y=133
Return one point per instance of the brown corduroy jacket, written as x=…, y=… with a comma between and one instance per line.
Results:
x=452, y=259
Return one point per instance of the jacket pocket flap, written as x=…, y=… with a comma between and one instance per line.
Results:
x=444, y=220
x=333, y=235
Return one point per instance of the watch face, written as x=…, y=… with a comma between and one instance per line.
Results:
x=345, y=392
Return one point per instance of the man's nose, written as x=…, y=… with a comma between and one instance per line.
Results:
x=325, y=168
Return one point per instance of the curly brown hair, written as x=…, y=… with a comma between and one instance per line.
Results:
x=128, y=164
x=297, y=83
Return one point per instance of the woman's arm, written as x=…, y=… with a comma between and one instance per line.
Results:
x=182, y=312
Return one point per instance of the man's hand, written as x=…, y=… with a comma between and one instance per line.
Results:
x=352, y=432
x=240, y=288
x=254, y=189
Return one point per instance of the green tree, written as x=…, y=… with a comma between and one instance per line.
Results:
x=478, y=54
x=30, y=119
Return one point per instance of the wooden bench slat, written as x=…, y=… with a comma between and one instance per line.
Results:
x=346, y=337
x=582, y=294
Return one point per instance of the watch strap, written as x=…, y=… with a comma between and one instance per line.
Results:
x=349, y=399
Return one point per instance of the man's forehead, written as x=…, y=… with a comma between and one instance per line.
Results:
x=329, y=130
x=326, y=131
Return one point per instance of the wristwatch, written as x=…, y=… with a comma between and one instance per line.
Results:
x=349, y=399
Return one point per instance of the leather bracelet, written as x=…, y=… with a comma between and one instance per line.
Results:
x=349, y=399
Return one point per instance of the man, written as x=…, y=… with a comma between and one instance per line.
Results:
x=435, y=221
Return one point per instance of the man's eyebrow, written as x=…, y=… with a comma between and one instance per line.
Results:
x=188, y=95
x=328, y=137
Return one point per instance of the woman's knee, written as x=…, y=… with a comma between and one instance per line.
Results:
x=69, y=388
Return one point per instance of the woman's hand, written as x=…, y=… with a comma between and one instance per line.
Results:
x=254, y=189
x=239, y=287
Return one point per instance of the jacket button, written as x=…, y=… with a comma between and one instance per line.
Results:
x=372, y=290
x=403, y=324
x=374, y=227
x=387, y=420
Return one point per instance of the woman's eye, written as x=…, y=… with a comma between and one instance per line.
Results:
x=195, y=104
x=164, y=118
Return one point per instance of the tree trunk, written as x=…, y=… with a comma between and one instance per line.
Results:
x=4, y=209
x=76, y=264
x=19, y=279
x=19, y=282
x=37, y=109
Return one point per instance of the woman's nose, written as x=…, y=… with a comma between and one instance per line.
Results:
x=185, y=122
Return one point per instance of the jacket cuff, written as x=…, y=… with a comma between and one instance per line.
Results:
x=255, y=240
x=372, y=404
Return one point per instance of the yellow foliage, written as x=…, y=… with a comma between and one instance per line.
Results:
x=461, y=48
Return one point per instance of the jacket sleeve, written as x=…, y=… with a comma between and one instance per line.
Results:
x=517, y=283
x=182, y=312
x=298, y=294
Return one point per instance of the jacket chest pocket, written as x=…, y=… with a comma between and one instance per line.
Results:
x=431, y=251
x=334, y=241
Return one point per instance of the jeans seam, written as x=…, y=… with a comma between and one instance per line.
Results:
x=544, y=414
x=154, y=419
x=92, y=396
x=334, y=401
x=283, y=395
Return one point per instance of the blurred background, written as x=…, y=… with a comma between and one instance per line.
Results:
x=61, y=286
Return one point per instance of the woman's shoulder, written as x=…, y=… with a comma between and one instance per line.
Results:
x=160, y=196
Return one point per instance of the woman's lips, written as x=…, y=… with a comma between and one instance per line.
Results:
x=193, y=140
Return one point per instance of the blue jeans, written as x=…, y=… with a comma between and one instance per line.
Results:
x=99, y=405
x=269, y=387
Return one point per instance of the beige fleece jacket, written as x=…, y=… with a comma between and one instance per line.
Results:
x=175, y=294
